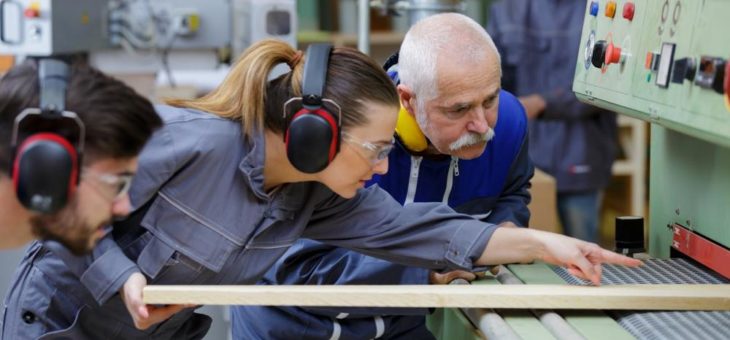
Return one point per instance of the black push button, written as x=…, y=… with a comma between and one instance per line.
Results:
x=599, y=53
x=29, y=317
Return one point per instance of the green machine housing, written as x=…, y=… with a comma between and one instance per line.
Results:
x=668, y=62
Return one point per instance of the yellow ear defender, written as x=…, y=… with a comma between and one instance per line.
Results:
x=409, y=132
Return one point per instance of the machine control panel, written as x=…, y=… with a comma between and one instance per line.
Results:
x=659, y=60
x=28, y=26
x=670, y=65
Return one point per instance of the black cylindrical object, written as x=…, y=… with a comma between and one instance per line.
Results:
x=629, y=234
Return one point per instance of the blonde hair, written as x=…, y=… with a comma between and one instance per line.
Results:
x=242, y=94
x=247, y=95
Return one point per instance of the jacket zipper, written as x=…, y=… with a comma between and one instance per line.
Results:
x=413, y=179
x=453, y=172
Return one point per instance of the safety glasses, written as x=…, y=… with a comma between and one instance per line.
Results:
x=375, y=153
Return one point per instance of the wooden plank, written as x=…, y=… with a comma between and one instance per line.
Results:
x=633, y=297
x=592, y=324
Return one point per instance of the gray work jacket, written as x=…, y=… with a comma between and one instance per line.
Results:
x=209, y=221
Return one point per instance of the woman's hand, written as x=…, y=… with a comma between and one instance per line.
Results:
x=582, y=259
x=521, y=245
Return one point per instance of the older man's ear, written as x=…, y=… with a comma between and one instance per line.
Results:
x=406, y=96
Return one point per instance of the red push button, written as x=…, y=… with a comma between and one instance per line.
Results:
x=613, y=54
x=629, y=11
x=611, y=9
x=32, y=13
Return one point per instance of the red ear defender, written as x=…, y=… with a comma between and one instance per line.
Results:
x=312, y=135
x=45, y=172
x=47, y=145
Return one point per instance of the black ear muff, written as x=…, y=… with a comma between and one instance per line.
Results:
x=312, y=134
x=45, y=172
x=311, y=140
x=47, y=145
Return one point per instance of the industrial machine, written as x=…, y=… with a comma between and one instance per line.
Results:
x=134, y=39
x=666, y=62
x=53, y=27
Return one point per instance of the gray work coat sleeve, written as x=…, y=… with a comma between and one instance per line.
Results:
x=106, y=270
x=103, y=272
x=428, y=235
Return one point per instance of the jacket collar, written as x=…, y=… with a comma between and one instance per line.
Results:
x=252, y=164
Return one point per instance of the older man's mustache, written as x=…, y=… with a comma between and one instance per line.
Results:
x=471, y=138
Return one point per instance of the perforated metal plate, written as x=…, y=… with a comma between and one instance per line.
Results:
x=668, y=324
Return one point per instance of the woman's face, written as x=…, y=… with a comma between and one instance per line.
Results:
x=363, y=152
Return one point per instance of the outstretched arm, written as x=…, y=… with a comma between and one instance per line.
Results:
x=519, y=245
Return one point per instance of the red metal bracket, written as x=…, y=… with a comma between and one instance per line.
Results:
x=702, y=250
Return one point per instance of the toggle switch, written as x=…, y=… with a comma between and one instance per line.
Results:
x=628, y=11
x=599, y=53
x=594, y=8
x=611, y=9
x=613, y=54
x=684, y=68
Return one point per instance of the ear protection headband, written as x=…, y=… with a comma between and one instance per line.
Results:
x=312, y=135
x=47, y=144
x=409, y=132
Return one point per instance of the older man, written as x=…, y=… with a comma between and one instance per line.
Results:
x=460, y=140
x=117, y=122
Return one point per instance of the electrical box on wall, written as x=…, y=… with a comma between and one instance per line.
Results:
x=255, y=20
x=47, y=27
x=170, y=24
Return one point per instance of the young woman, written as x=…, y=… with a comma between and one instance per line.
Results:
x=234, y=178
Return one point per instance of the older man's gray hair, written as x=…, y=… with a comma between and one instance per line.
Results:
x=432, y=38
